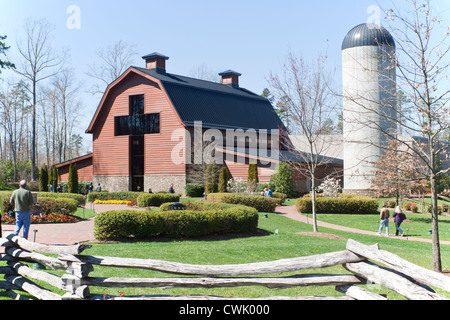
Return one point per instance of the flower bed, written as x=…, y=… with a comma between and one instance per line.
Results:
x=45, y=218
x=127, y=202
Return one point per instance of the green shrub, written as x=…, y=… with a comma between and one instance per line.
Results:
x=260, y=203
x=340, y=205
x=283, y=179
x=124, y=195
x=390, y=203
x=78, y=197
x=58, y=205
x=6, y=205
x=150, y=199
x=414, y=208
x=183, y=223
x=281, y=196
x=68, y=201
x=194, y=190
x=123, y=224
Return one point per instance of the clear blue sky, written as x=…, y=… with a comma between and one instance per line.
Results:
x=250, y=36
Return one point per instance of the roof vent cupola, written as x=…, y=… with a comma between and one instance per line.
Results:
x=156, y=61
x=231, y=78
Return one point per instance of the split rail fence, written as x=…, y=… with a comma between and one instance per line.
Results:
x=409, y=280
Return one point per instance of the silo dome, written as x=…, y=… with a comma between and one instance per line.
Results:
x=368, y=34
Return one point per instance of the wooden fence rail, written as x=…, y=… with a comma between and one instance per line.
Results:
x=401, y=276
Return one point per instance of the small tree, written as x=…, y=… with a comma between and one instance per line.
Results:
x=223, y=179
x=43, y=179
x=282, y=180
x=252, y=180
x=330, y=187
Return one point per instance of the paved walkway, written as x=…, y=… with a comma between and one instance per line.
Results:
x=83, y=231
x=291, y=212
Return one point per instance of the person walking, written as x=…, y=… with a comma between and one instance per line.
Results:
x=384, y=216
x=399, y=217
x=22, y=200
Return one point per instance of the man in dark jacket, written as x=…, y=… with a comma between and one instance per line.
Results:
x=22, y=200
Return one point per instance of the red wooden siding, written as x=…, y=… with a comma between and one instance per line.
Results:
x=111, y=152
x=84, y=169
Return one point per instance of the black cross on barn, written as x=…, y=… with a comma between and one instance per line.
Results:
x=136, y=125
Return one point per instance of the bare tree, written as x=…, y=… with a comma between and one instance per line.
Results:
x=114, y=60
x=307, y=96
x=205, y=73
x=423, y=71
x=60, y=111
x=39, y=63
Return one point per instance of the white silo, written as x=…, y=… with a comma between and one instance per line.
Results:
x=369, y=100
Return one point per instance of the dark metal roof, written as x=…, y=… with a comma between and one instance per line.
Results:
x=230, y=73
x=215, y=104
x=155, y=55
x=368, y=35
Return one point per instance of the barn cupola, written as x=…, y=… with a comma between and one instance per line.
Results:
x=231, y=78
x=156, y=61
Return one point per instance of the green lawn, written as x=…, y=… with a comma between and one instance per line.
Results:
x=265, y=247
x=416, y=225
x=285, y=244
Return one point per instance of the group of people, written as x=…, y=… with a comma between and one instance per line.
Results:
x=90, y=188
x=399, y=217
x=59, y=189
x=267, y=192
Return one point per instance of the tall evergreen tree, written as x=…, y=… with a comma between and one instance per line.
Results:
x=43, y=179
x=252, y=180
x=223, y=179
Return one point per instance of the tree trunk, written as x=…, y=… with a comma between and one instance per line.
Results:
x=313, y=196
x=437, y=263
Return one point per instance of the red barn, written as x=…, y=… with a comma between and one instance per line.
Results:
x=152, y=129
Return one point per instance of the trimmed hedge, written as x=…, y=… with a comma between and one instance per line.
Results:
x=260, y=203
x=157, y=199
x=340, y=205
x=81, y=200
x=194, y=190
x=69, y=201
x=182, y=223
x=125, y=195
x=50, y=205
